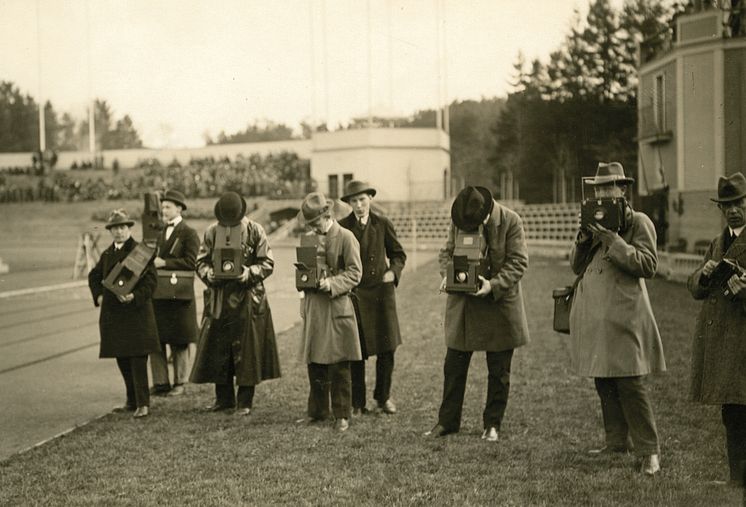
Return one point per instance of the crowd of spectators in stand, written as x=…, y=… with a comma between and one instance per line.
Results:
x=274, y=175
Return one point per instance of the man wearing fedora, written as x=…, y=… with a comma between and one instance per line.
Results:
x=330, y=333
x=126, y=323
x=178, y=246
x=614, y=335
x=719, y=350
x=491, y=320
x=237, y=336
x=383, y=261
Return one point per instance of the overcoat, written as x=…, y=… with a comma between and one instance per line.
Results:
x=330, y=333
x=127, y=329
x=719, y=350
x=376, y=300
x=237, y=319
x=613, y=330
x=177, y=319
x=497, y=321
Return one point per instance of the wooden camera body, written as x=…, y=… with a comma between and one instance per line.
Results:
x=309, y=269
x=227, y=253
x=467, y=263
x=608, y=212
x=723, y=272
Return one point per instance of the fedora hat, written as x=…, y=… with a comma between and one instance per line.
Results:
x=175, y=197
x=313, y=207
x=355, y=187
x=119, y=217
x=731, y=188
x=471, y=206
x=610, y=173
x=230, y=209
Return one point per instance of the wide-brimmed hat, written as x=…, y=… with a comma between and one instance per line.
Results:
x=731, y=188
x=470, y=208
x=355, y=187
x=609, y=173
x=175, y=197
x=119, y=217
x=313, y=207
x=230, y=209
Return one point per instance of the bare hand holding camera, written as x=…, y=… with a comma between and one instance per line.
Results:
x=737, y=283
x=484, y=287
x=442, y=287
x=605, y=235
x=324, y=285
x=158, y=262
x=210, y=275
x=244, y=274
x=709, y=267
x=127, y=298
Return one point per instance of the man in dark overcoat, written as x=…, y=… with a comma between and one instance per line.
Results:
x=178, y=246
x=237, y=336
x=127, y=323
x=719, y=350
x=383, y=261
x=493, y=319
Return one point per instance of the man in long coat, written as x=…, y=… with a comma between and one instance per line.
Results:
x=613, y=331
x=127, y=323
x=330, y=337
x=719, y=351
x=383, y=261
x=178, y=246
x=237, y=337
x=491, y=320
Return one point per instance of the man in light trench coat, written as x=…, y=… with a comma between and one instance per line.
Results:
x=493, y=319
x=330, y=337
x=383, y=260
x=719, y=351
x=613, y=331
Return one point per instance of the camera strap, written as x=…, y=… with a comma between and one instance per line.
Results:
x=589, y=259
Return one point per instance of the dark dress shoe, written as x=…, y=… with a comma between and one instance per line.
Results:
x=608, y=449
x=217, y=407
x=123, y=408
x=160, y=390
x=387, y=407
x=360, y=411
x=439, y=431
x=141, y=412
x=243, y=411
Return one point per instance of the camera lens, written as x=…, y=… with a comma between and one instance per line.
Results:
x=303, y=278
x=599, y=214
x=227, y=266
x=461, y=277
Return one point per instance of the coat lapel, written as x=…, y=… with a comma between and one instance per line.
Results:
x=737, y=250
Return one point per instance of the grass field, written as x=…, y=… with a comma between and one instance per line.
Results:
x=182, y=456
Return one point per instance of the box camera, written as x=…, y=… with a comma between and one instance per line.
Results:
x=723, y=272
x=123, y=278
x=608, y=212
x=310, y=269
x=467, y=263
x=227, y=253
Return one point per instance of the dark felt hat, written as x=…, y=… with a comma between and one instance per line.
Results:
x=230, y=209
x=119, y=217
x=731, y=188
x=313, y=207
x=355, y=187
x=175, y=197
x=610, y=173
x=471, y=207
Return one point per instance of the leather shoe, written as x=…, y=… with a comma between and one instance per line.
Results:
x=341, y=424
x=160, y=390
x=177, y=391
x=607, y=449
x=387, y=407
x=438, y=431
x=490, y=434
x=651, y=465
x=243, y=411
x=141, y=412
x=216, y=407
x=123, y=408
x=360, y=411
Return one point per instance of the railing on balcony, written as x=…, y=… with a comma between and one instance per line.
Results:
x=655, y=126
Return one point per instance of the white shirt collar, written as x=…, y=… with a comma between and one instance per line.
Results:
x=364, y=219
x=737, y=231
x=118, y=246
x=328, y=226
x=176, y=221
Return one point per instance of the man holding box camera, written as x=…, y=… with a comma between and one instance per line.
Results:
x=178, y=246
x=614, y=335
x=383, y=261
x=237, y=337
x=719, y=350
x=492, y=318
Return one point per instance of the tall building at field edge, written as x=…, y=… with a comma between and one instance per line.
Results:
x=691, y=121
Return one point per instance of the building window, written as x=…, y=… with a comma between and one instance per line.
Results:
x=333, y=186
x=346, y=178
x=659, y=103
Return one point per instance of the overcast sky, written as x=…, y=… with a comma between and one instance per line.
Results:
x=181, y=68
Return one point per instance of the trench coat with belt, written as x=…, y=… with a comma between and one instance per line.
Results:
x=127, y=329
x=177, y=319
x=329, y=333
x=718, y=374
x=496, y=322
x=237, y=321
x=612, y=327
x=376, y=300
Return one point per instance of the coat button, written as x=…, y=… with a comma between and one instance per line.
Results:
x=709, y=322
